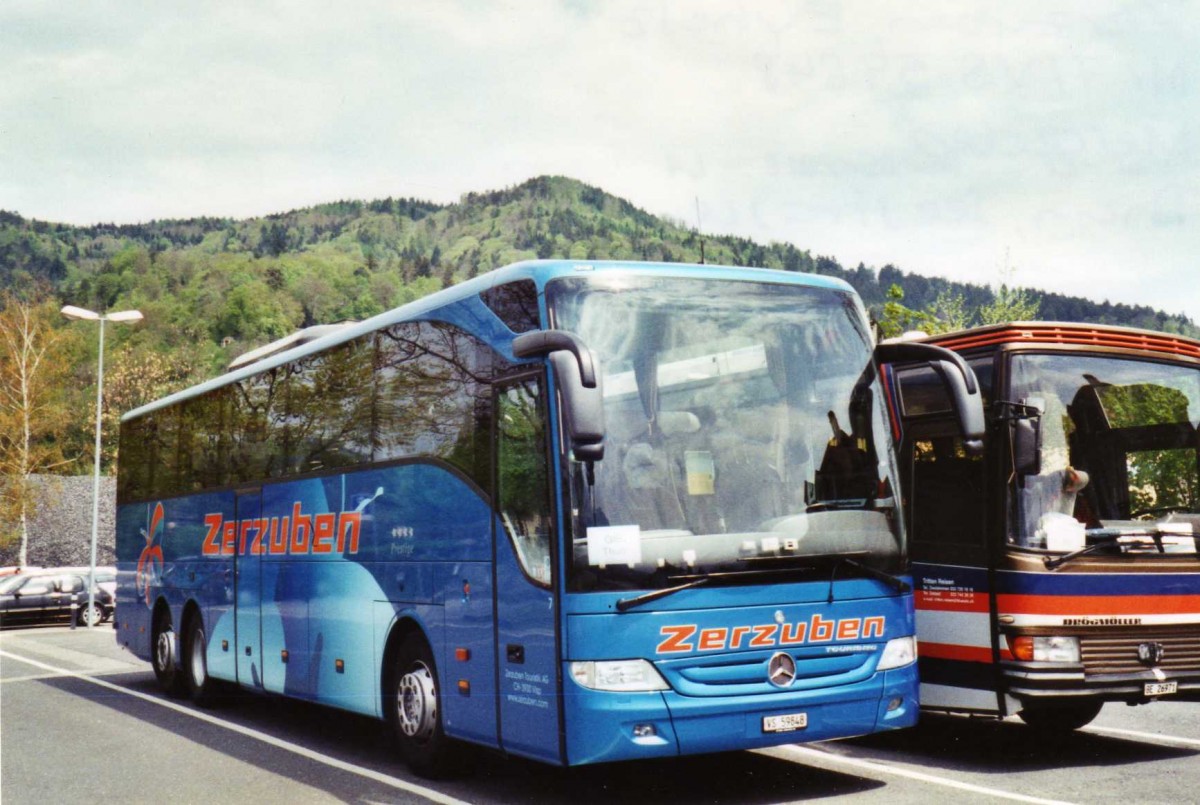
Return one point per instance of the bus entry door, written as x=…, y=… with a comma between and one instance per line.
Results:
x=247, y=573
x=527, y=664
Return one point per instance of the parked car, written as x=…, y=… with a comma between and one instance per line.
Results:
x=48, y=594
x=106, y=575
x=10, y=570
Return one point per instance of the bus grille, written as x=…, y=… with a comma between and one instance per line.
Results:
x=1119, y=654
x=738, y=675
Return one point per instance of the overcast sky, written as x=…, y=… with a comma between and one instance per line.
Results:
x=1058, y=140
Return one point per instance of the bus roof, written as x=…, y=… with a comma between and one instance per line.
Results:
x=1069, y=333
x=540, y=271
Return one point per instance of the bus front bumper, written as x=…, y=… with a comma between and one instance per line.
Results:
x=605, y=726
x=1043, y=681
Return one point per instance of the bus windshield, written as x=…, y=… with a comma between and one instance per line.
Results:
x=1119, y=451
x=745, y=433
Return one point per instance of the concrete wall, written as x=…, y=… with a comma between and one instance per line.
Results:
x=60, y=532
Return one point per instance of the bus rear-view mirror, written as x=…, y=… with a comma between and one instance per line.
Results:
x=960, y=382
x=1027, y=448
x=577, y=377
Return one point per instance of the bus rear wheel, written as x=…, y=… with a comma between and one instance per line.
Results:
x=164, y=656
x=1061, y=717
x=413, y=706
x=200, y=686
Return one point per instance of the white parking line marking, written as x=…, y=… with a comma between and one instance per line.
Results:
x=371, y=774
x=38, y=677
x=51, y=653
x=1145, y=736
x=825, y=756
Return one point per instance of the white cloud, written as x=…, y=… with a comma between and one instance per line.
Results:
x=936, y=137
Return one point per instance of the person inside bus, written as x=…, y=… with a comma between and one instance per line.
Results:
x=1047, y=500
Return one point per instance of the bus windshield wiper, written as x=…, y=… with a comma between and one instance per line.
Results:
x=730, y=576
x=895, y=582
x=837, y=559
x=654, y=595
x=835, y=504
x=1104, y=538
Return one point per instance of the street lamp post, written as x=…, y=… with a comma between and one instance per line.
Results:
x=81, y=314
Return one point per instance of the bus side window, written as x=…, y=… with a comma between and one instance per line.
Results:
x=948, y=493
x=523, y=476
x=948, y=500
x=515, y=304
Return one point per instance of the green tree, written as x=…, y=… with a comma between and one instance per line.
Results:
x=947, y=313
x=1009, y=304
x=138, y=377
x=897, y=318
x=32, y=408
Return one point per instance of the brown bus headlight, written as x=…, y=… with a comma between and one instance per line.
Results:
x=1046, y=649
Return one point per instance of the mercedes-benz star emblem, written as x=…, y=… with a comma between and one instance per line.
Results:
x=1150, y=653
x=781, y=669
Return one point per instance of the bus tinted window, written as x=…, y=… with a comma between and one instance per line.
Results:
x=325, y=420
x=250, y=431
x=515, y=303
x=433, y=397
x=135, y=467
x=948, y=498
x=524, y=477
x=202, y=443
x=161, y=442
x=418, y=389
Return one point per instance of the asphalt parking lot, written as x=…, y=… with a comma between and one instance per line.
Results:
x=82, y=719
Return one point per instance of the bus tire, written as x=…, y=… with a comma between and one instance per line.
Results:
x=164, y=655
x=413, y=706
x=201, y=687
x=1061, y=717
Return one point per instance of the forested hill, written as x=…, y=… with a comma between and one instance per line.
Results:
x=216, y=287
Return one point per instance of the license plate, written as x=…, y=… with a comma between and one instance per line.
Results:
x=788, y=723
x=1161, y=688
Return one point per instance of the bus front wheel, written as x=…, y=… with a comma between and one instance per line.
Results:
x=1061, y=716
x=414, y=710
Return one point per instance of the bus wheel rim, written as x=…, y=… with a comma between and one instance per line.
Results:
x=416, y=703
x=164, y=654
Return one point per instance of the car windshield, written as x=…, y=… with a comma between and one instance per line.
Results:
x=1119, y=452
x=7, y=585
x=745, y=432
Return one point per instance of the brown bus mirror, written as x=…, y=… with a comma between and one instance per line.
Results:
x=579, y=387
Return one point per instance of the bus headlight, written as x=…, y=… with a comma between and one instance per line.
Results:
x=898, y=652
x=618, y=675
x=1046, y=649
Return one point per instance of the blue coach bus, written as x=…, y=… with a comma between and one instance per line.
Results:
x=574, y=512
